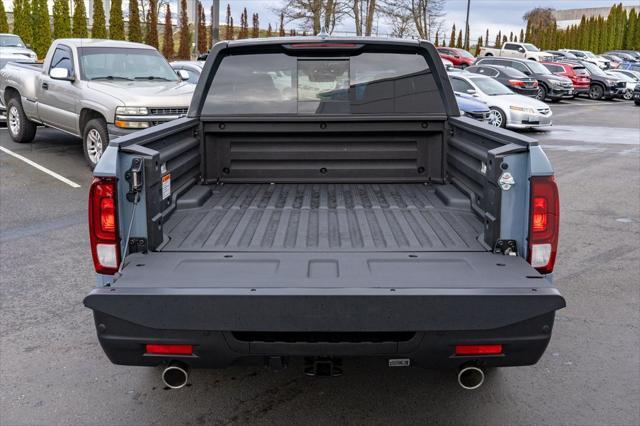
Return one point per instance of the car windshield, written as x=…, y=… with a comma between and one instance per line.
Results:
x=578, y=54
x=589, y=54
x=11, y=41
x=537, y=67
x=107, y=63
x=530, y=47
x=622, y=76
x=593, y=69
x=491, y=87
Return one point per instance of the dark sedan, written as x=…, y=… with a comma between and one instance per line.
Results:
x=510, y=77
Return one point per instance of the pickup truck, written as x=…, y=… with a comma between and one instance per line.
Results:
x=94, y=89
x=517, y=50
x=324, y=199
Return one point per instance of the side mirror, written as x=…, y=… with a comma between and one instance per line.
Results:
x=456, y=56
x=527, y=72
x=183, y=74
x=520, y=49
x=471, y=91
x=60, y=74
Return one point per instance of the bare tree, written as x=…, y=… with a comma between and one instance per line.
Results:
x=314, y=14
x=400, y=18
x=426, y=15
x=363, y=13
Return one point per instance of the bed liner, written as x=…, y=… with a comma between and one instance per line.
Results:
x=323, y=217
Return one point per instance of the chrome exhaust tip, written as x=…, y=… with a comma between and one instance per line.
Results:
x=470, y=377
x=176, y=375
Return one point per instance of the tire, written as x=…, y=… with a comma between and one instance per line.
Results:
x=636, y=101
x=596, y=92
x=542, y=93
x=95, y=140
x=463, y=66
x=628, y=95
x=497, y=118
x=21, y=129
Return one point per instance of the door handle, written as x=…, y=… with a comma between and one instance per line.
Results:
x=45, y=86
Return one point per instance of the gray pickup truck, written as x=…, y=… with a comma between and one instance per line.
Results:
x=94, y=89
x=324, y=199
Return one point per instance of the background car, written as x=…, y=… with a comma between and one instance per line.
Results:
x=615, y=60
x=459, y=57
x=508, y=109
x=562, y=55
x=586, y=55
x=512, y=78
x=636, y=95
x=631, y=83
x=576, y=72
x=633, y=66
x=472, y=108
x=630, y=73
x=627, y=55
x=550, y=86
x=603, y=86
x=194, y=68
x=13, y=49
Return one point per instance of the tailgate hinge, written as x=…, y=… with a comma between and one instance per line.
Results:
x=506, y=247
x=134, y=177
x=137, y=245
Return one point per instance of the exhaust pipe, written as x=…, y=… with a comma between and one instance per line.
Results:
x=176, y=375
x=470, y=377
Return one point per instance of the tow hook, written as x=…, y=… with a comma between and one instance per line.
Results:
x=323, y=367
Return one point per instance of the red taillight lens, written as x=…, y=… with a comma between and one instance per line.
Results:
x=169, y=349
x=103, y=225
x=543, y=223
x=478, y=349
x=517, y=83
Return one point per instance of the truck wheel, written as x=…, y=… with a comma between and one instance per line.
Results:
x=596, y=92
x=542, y=93
x=95, y=140
x=497, y=118
x=21, y=129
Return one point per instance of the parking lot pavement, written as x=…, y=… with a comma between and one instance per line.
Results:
x=52, y=369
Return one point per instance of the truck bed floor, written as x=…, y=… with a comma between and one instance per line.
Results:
x=323, y=217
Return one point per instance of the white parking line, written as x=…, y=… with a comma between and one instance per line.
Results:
x=41, y=168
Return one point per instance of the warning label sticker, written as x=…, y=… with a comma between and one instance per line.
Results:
x=166, y=186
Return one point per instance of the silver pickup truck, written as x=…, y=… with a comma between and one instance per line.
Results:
x=95, y=89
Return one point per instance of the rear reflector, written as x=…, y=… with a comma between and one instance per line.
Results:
x=169, y=349
x=478, y=349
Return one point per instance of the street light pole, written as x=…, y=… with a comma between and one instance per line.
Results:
x=466, y=28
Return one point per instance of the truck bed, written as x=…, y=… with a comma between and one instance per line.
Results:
x=323, y=217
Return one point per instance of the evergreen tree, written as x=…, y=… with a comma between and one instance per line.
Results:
x=99, y=29
x=511, y=36
x=504, y=39
x=116, y=22
x=167, y=39
x=151, y=34
x=478, y=46
x=459, y=42
x=184, y=48
x=41, y=27
x=281, y=29
x=498, y=40
x=582, y=34
x=79, y=20
x=244, y=25
x=22, y=20
x=255, y=29
x=452, y=39
x=202, y=30
x=61, y=19
x=521, y=36
x=636, y=37
x=486, y=38
x=269, y=30
x=437, y=43
x=4, y=22
x=135, y=32
x=515, y=39
x=228, y=30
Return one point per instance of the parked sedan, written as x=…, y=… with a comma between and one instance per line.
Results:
x=508, y=109
x=576, y=72
x=630, y=82
x=510, y=77
x=550, y=86
x=193, y=68
x=459, y=57
x=472, y=107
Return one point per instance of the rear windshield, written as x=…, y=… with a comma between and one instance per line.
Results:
x=369, y=83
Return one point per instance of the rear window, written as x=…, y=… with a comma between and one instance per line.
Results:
x=369, y=83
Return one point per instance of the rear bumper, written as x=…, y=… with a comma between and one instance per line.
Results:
x=237, y=326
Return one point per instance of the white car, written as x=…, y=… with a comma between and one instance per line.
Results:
x=507, y=109
x=631, y=83
x=586, y=55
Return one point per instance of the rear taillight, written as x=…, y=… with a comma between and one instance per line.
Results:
x=103, y=225
x=517, y=83
x=544, y=218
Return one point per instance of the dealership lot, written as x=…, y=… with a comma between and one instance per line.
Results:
x=53, y=371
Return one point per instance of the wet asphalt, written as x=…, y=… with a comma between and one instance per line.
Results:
x=53, y=371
